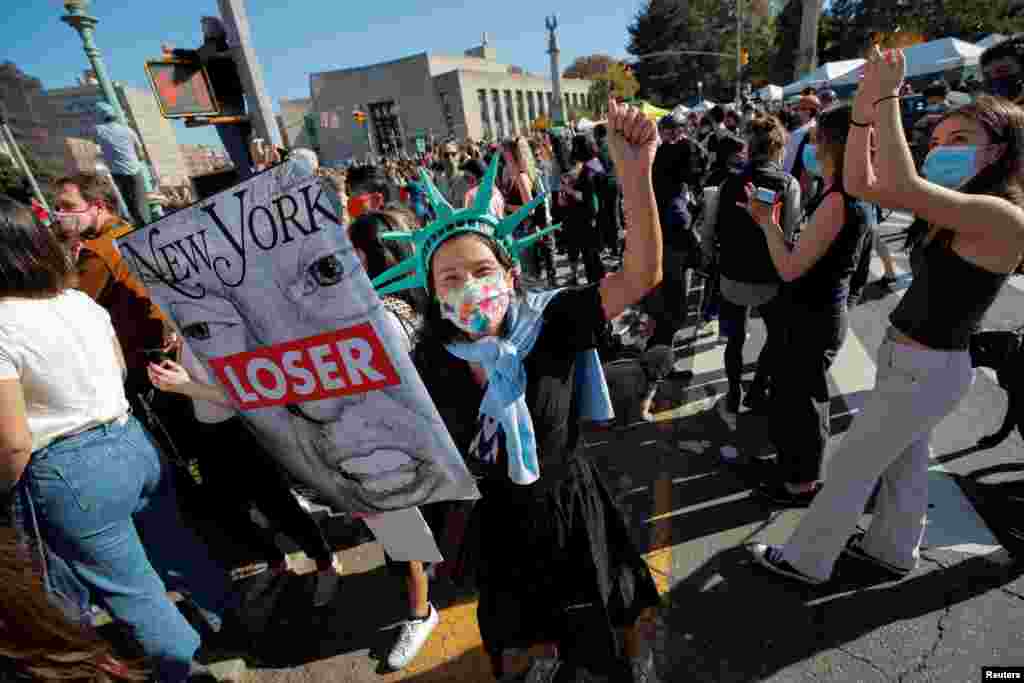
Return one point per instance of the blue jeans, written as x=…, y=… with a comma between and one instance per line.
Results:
x=90, y=491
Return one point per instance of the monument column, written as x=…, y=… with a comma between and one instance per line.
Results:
x=557, y=103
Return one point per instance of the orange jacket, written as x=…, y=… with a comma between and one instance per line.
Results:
x=106, y=278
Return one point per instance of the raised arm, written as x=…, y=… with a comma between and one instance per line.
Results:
x=632, y=143
x=814, y=241
x=898, y=183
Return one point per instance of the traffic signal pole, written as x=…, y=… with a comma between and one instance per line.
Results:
x=77, y=19
x=739, y=49
x=261, y=112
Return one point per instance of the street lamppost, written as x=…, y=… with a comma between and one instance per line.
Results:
x=700, y=91
x=78, y=19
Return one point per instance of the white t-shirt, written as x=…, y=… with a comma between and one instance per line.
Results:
x=62, y=351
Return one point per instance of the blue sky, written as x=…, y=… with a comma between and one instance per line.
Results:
x=297, y=37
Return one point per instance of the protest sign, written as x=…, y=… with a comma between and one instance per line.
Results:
x=264, y=285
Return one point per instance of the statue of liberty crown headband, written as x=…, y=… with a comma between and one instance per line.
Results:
x=476, y=219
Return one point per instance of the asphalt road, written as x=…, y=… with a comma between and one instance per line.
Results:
x=692, y=511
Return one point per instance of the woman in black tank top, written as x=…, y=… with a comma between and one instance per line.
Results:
x=972, y=199
x=818, y=271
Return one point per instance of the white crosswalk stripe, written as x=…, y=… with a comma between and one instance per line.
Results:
x=953, y=523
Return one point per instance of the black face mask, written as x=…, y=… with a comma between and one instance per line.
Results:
x=1007, y=86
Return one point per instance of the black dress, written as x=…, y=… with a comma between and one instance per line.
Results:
x=554, y=556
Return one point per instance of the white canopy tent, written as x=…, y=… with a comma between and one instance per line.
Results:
x=824, y=75
x=770, y=93
x=703, y=107
x=927, y=58
x=990, y=40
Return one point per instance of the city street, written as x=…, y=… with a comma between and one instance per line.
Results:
x=692, y=511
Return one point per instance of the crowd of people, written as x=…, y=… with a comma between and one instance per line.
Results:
x=776, y=215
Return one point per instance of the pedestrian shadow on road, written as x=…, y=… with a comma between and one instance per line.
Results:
x=670, y=482
x=290, y=632
x=730, y=621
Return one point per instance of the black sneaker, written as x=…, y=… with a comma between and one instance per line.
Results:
x=756, y=400
x=886, y=281
x=854, y=550
x=777, y=493
x=770, y=557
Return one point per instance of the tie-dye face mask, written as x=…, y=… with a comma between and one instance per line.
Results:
x=478, y=305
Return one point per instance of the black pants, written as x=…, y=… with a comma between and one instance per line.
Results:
x=608, y=218
x=800, y=425
x=546, y=256
x=668, y=302
x=245, y=474
x=733, y=321
x=585, y=240
x=863, y=271
x=126, y=186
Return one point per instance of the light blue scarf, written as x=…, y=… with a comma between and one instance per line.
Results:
x=505, y=398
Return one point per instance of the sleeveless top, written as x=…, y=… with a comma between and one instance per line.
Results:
x=827, y=283
x=538, y=218
x=948, y=297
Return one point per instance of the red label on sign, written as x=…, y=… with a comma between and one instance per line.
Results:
x=339, y=363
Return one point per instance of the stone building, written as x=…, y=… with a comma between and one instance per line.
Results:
x=414, y=99
x=292, y=123
x=23, y=103
x=204, y=159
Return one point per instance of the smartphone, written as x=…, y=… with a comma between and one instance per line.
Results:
x=157, y=356
x=764, y=195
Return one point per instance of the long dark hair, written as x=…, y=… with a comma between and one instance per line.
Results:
x=1004, y=123
x=364, y=232
x=833, y=130
x=36, y=639
x=33, y=263
x=583, y=149
x=437, y=329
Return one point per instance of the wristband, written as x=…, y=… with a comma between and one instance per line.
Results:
x=887, y=97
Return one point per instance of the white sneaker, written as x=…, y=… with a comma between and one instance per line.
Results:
x=542, y=670
x=411, y=638
x=643, y=670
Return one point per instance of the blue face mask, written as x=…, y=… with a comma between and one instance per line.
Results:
x=810, y=159
x=951, y=165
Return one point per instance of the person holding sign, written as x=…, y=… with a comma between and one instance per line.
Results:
x=513, y=374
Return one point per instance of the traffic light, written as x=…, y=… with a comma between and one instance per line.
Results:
x=744, y=57
x=359, y=117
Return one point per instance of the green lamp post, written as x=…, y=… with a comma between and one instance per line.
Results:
x=78, y=19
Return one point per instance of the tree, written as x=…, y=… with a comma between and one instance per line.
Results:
x=13, y=182
x=787, y=28
x=617, y=81
x=589, y=66
x=658, y=26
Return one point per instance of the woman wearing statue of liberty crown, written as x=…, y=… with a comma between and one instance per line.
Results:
x=512, y=374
